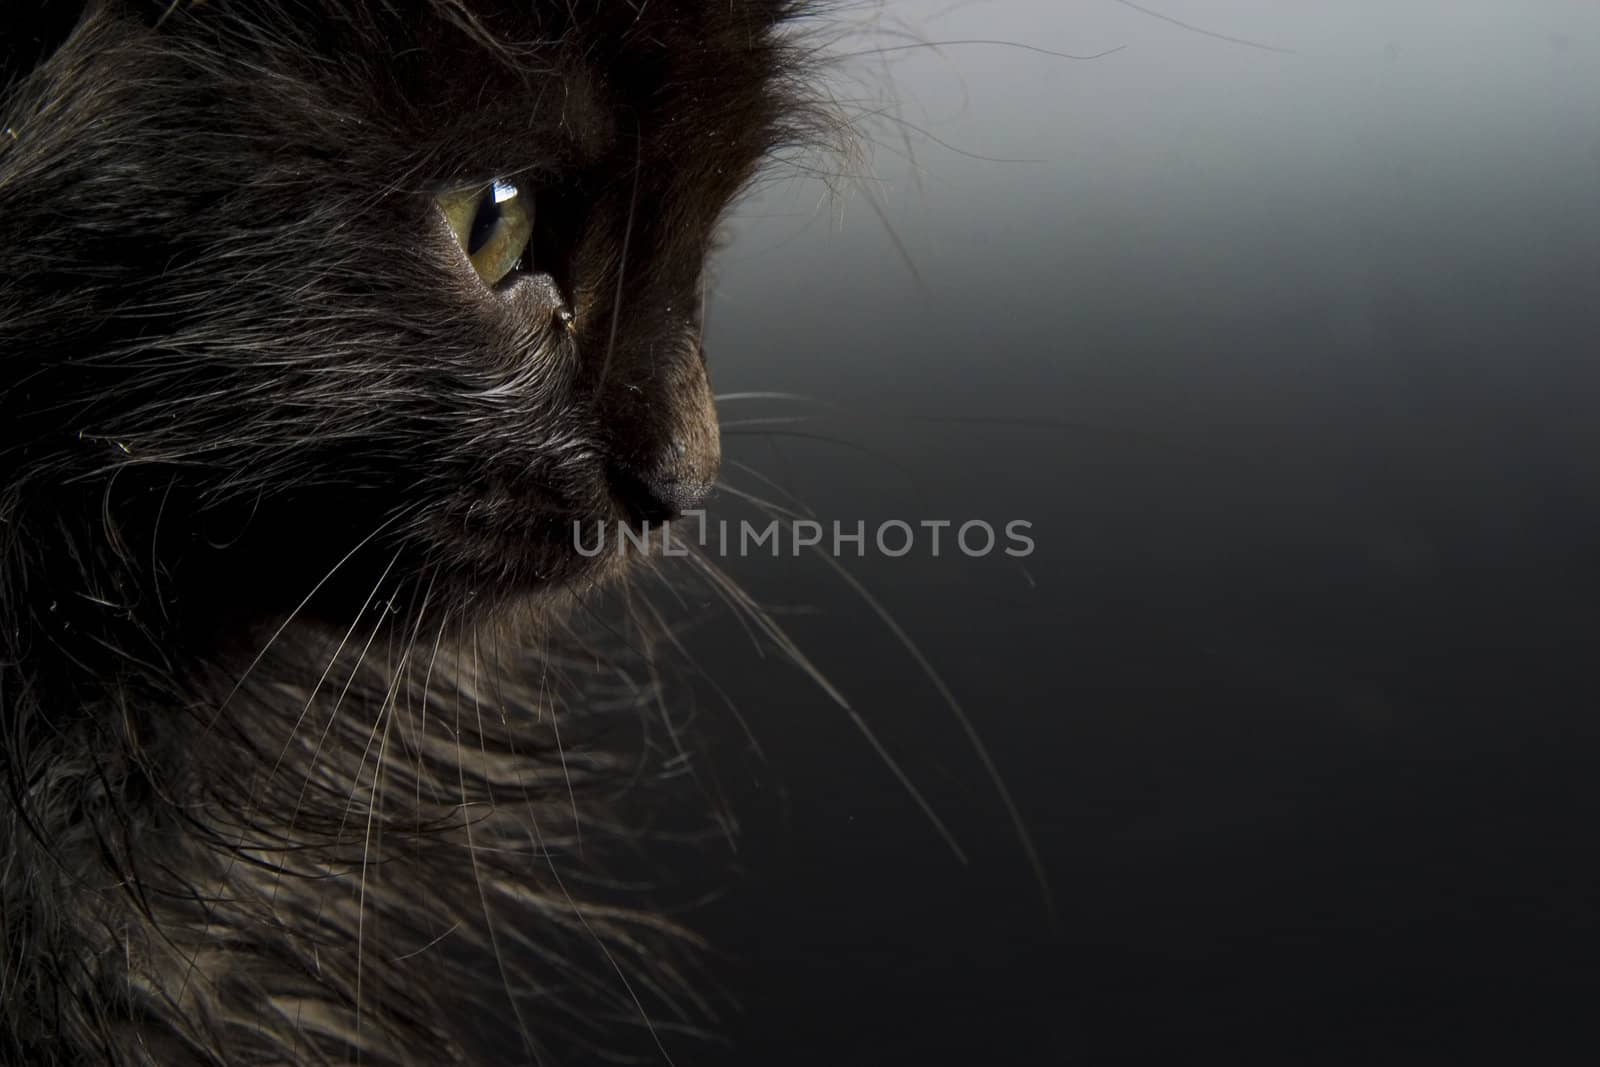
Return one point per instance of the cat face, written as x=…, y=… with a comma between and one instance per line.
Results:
x=288, y=278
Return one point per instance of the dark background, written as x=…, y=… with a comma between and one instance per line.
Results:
x=1291, y=360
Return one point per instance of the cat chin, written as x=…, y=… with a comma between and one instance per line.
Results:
x=542, y=555
x=586, y=525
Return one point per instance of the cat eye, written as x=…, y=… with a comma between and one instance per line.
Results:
x=494, y=223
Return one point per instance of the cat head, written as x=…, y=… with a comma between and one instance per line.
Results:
x=279, y=280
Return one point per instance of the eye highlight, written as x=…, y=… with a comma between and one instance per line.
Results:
x=493, y=222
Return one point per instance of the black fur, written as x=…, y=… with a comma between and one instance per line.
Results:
x=287, y=499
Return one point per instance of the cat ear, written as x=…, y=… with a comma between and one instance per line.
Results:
x=30, y=33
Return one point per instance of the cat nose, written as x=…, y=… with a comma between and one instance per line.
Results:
x=676, y=484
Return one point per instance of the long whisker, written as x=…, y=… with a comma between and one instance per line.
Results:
x=386, y=716
x=622, y=260
x=980, y=749
x=390, y=521
x=1141, y=9
x=841, y=442
x=333, y=714
x=682, y=650
x=871, y=196
x=251, y=805
x=600, y=943
x=906, y=125
x=936, y=45
x=781, y=638
x=768, y=481
x=767, y=420
x=713, y=791
x=472, y=854
x=799, y=398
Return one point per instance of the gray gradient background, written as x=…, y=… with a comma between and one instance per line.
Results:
x=1291, y=360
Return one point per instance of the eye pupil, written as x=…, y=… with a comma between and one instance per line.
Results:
x=483, y=223
x=494, y=225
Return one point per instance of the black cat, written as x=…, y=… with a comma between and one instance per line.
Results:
x=321, y=324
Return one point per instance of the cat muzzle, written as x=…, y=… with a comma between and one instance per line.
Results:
x=661, y=496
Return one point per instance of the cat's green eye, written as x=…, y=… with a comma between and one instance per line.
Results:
x=493, y=223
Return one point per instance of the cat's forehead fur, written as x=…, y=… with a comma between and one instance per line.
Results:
x=593, y=72
x=445, y=88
